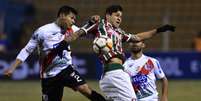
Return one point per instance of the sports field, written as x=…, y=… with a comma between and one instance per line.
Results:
x=188, y=90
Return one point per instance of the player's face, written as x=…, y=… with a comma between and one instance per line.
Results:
x=67, y=20
x=136, y=47
x=115, y=18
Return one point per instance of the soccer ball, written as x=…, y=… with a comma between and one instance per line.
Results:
x=102, y=44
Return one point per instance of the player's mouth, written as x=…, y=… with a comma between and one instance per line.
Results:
x=118, y=22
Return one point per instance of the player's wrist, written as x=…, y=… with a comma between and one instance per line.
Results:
x=87, y=27
x=84, y=29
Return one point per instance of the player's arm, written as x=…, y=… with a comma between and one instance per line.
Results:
x=148, y=34
x=164, y=95
x=161, y=75
x=22, y=56
x=84, y=29
x=11, y=69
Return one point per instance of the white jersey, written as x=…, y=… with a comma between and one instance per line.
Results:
x=143, y=73
x=46, y=38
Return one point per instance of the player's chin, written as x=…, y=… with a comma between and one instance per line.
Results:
x=117, y=25
x=136, y=50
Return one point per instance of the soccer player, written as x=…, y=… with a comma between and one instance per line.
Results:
x=57, y=70
x=115, y=83
x=143, y=71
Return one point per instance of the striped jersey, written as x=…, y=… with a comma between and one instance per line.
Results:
x=143, y=73
x=46, y=38
x=117, y=35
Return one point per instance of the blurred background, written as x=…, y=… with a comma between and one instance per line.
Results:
x=179, y=53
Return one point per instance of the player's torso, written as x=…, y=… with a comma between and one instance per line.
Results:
x=142, y=76
x=50, y=37
x=113, y=34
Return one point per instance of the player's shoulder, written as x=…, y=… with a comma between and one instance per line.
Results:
x=128, y=60
x=47, y=27
x=151, y=58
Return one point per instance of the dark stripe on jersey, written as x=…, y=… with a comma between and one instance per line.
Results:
x=126, y=37
x=114, y=42
x=102, y=29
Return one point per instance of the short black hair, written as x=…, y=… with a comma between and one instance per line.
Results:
x=113, y=8
x=66, y=10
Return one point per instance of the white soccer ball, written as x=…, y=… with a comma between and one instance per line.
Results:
x=102, y=44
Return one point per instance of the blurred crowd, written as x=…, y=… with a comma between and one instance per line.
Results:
x=197, y=42
x=15, y=19
x=18, y=20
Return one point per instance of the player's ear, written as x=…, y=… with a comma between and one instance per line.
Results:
x=143, y=45
x=107, y=16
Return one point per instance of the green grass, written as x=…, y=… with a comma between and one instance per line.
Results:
x=182, y=90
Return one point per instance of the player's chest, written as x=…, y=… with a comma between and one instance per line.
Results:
x=115, y=36
x=50, y=39
x=141, y=67
x=57, y=36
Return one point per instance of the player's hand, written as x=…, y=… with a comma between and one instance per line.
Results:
x=8, y=72
x=95, y=18
x=165, y=28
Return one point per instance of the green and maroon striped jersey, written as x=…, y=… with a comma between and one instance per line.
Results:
x=117, y=35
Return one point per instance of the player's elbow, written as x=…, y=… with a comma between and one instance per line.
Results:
x=165, y=81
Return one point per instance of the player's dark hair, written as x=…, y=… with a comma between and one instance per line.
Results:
x=113, y=8
x=66, y=10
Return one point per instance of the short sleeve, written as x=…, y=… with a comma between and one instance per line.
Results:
x=29, y=48
x=158, y=70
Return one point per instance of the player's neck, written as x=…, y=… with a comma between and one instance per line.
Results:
x=136, y=55
x=62, y=26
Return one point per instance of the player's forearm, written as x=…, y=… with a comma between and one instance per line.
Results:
x=15, y=64
x=146, y=35
x=74, y=36
x=83, y=31
x=164, y=89
x=9, y=71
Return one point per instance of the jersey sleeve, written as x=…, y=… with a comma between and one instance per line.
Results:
x=75, y=28
x=125, y=65
x=126, y=37
x=29, y=48
x=158, y=70
x=101, y=29
x=127, y=69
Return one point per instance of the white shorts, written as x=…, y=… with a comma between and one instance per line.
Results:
x=116, y=85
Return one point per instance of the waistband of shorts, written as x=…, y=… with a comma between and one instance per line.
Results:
x=62, y=71
x=112, y=66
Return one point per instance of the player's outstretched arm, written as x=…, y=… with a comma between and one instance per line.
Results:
x=84, y=29
x=11, y=69
x=148, y=34
x=23, y=54
x=164, y=95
